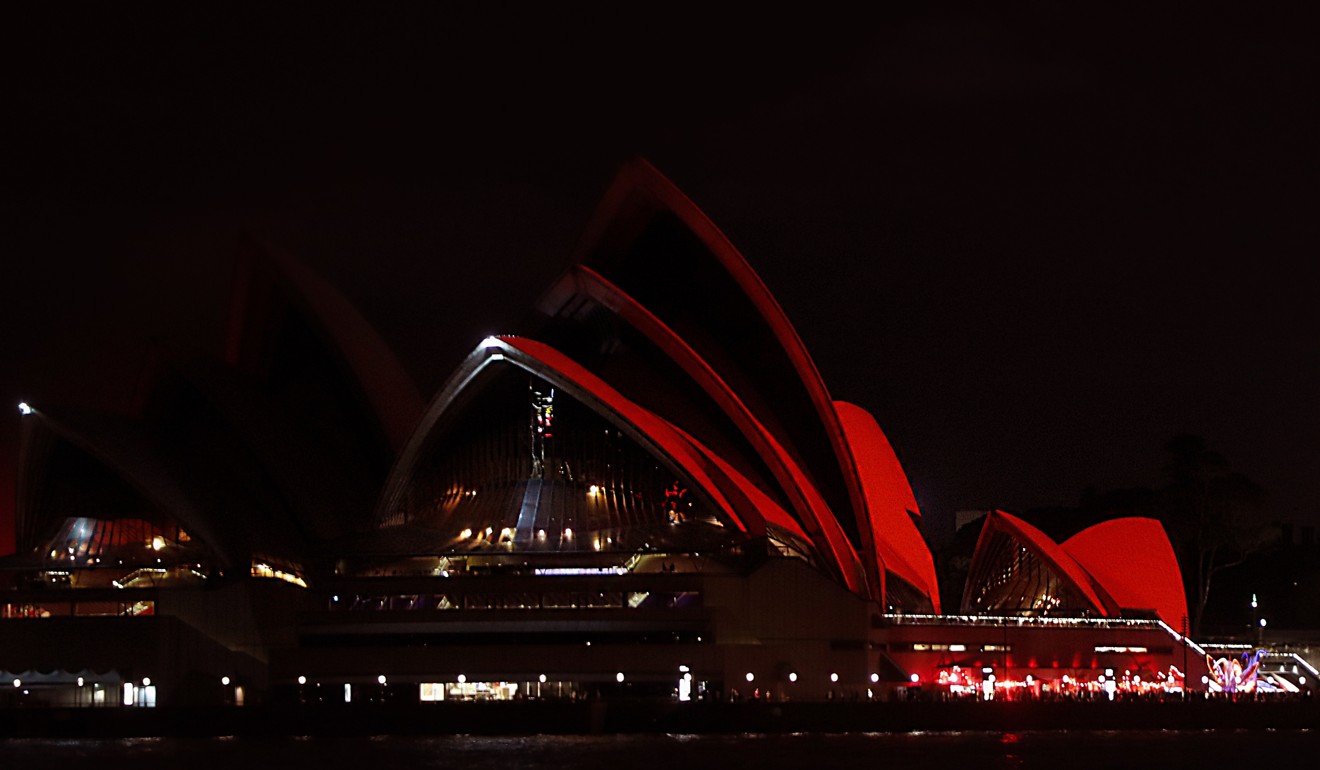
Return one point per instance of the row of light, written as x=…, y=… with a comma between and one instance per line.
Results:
x=508, y=532
x=792, y=677
x=618, y=677
x=146, y=682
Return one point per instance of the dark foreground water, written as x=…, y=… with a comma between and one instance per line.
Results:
x=1060, y=750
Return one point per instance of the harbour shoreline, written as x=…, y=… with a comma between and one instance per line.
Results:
x=623, y=716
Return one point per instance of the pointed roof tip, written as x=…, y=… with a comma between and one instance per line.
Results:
x=638, y=177
x=910, y=504
x=899, y=546
x=391, y=393
x=640, y=191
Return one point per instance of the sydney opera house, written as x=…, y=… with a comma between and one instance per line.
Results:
x=646, y=490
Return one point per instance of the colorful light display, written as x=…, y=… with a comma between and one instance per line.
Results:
x=1237, y=676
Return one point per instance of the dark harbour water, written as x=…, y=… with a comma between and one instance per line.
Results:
x=1062, y=750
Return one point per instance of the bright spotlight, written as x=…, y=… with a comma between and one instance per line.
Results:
x=224, y=680
x=618, y=677
x=24, y=409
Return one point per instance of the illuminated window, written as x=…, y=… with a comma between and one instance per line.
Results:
x=264, y=570
x=432, y=691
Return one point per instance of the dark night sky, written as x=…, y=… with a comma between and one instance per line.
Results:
x=1035, y=243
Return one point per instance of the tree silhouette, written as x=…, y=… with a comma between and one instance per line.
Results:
x=1215, y=516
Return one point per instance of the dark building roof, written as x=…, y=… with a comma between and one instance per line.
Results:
x=658, y=400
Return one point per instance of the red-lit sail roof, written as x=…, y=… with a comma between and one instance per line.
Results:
x=652, y=241
x=739, y=503
x=1134, y=562
x=813, y=515
x=890, y=501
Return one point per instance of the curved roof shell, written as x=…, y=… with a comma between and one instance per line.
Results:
x=890, y=503
x=119, y=444
x=648, y=239
x=269, y=284
x=1047, y=551
x=655, y=367
x=1134, y=561
x=741, y=506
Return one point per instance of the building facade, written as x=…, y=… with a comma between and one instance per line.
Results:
x=647, y=491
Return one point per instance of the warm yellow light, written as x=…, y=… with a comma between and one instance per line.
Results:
x=157, y=543
x=593, y=490
x=465, y=534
